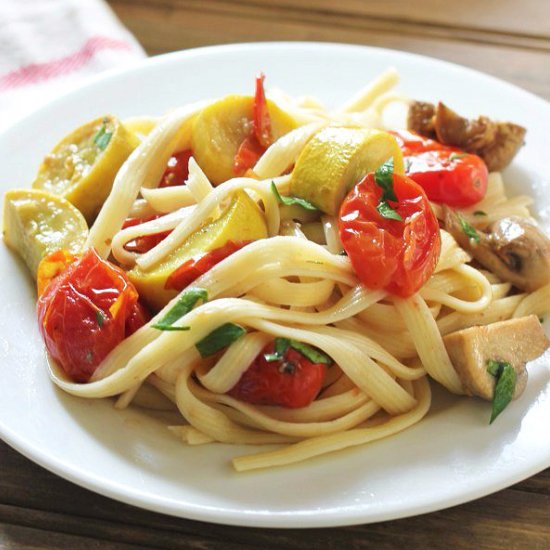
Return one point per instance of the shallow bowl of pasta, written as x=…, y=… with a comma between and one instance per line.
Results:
x=253, y=359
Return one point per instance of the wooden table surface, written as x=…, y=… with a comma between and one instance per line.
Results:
x=505, y=38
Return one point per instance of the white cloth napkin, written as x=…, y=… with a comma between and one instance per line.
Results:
x=50, y=46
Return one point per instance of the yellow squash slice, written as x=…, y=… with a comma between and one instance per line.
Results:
x=242, y=220
x=335, y=159
x=37, y=223
x=82, y=166
x=220, y=129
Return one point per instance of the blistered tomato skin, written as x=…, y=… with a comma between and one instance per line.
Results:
x=85, y=312
x=291, y=382
x=447, y=174
x=398, y=256
x=177, y=170
x=455, y=179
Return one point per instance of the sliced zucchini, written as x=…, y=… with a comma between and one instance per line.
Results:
x=335, y=159
x=242, y=220
x=82, y=166
x=37, y=223
x=220, y=129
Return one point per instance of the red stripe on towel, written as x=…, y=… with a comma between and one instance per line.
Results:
x=35, y=73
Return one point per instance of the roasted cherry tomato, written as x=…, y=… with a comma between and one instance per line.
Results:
x=291, y=382
x=177, y=170
x=146, y=242
x=447, y=174
x=455, y=179
x=260, y=138
x=85, y=312
x=192, y=269
x=399, y=256
x=50, y=267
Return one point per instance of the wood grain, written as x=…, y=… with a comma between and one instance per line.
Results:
x=519, y=56
x=33, y=498
x=508, y=39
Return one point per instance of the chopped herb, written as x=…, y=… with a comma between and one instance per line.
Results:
x=455, y=156
x=219, y=338
x=281, y=345
x=317, y=262
x=99, y=317
x=506, y=378
x=386, y=211
x=102, y=138
x=480, y=213
x=288, y=201
x=407, y=165
x=541, y=320
x=184, y=305
x=384, y=179
x=468, y=229
x=309, y=352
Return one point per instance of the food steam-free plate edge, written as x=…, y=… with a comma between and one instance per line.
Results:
x=451, y=457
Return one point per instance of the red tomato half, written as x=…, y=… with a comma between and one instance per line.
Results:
x=260, y=138
x=447, y=174
x=146, y=242
x=192, y=269
x=177, y=170
x=399, y=256
x=85, y=312
x=292, y=382
x=456, y=179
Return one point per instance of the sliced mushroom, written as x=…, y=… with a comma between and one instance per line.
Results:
x=515, y=341
x=513, y=248
x=495, y=142
x=420, y=118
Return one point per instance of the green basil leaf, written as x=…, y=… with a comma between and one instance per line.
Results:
x=310, y=353
x=102, y=138
x=506, y=378
x=219, y=338
x=184, y=305
x=281, y=345
x=99, y=317
x=468, y=229
x=288, y=201
x=384, y=179
x=386, y=211
x=455, y=156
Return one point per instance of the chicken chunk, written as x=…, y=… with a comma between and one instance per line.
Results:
x=515, y=341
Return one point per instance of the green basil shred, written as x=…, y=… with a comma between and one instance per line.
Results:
x=184, y=305
x=506, y=378
x=289, y=201
x=102, y=138
x=468, y=229
x=384, y=179
x=99, y=317
x=219, y=338
x=309, y=352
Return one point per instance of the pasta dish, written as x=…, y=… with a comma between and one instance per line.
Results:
x=273, y=272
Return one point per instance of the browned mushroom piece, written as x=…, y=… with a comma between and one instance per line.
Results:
x=497, y=143
x=513, y=248
x=515, y=341
x=470, y=135
x=420, y=118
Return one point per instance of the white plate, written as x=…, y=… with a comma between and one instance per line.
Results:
x=450, y=457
